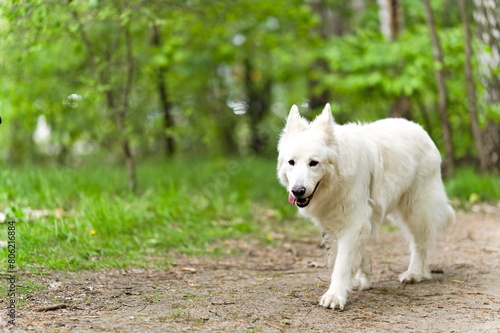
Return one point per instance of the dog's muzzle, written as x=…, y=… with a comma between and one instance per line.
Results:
x=301, y=202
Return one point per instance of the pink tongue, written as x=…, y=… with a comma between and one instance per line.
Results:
x=291, y=199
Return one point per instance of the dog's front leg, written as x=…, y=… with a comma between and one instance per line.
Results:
x=347, y=263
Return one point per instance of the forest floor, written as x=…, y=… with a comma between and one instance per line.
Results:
x=277, y=288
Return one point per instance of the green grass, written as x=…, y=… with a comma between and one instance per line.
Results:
x=470, y=187
x=91, y=221
x=88, y=219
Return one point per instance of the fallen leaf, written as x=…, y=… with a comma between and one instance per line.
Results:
x=59, y=213
x=188, y=269
x=55, y=285
x=35, y=214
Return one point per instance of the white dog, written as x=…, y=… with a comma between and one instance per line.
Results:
x=348, y=179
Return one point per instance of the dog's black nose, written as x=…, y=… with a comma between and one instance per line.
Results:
x=298, y=191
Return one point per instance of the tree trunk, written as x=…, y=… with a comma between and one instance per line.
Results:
x=318, y=97
x=425, y=116
x=119, y=114
x=166, y=105
x=401, y=108
x=449, y=162
x=331, y=24
x=391, y=18
x=126, y=148
x=487, y=18
x=226, y=125
x=492, y=144
x=391, y=26
x=471, y=90
x=258, y=91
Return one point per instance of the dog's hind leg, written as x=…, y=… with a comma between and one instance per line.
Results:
x=419, y=233
x=418, y=269
x=423, y=215
x=363, y=278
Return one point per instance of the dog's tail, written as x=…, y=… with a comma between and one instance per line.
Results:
x=445, y=218
x=450, y=217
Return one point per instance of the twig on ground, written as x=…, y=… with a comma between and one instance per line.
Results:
x=275, y=327
x=221, y=303
x=482, y=248
x=215, y=313
x=52, y=307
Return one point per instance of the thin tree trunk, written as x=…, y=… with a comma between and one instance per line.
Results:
x=331, y=24
x=258, y=89
x=391, y=25
x=487, y=18
x=127, y=149
x=401, y=108
x=318, y=97
x=130, y=160
x=449, y=163
x=425, y=116
x=166, y=105
x=471, y=91
x=391, y=18
x=125, y=144
x=167, y=112
x=119, y=114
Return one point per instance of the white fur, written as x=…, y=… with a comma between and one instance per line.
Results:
x=389, y=169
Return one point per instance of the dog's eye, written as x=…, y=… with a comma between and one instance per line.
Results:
x=313, y=163
x=291, y=162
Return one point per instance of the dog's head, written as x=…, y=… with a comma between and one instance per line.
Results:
x=305, y=154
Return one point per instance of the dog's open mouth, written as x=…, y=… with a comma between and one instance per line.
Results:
x=301, y=202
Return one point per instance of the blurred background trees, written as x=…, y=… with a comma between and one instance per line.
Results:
x=120, y=80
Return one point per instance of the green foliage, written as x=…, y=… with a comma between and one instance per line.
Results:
x=203, y=51
x=79, y=48
x=368, y=74
x=470, y=187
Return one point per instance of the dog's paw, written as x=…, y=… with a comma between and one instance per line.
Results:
x=411, y=277
x=333, y=301
x=361, y=282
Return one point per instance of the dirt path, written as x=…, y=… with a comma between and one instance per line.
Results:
x=277, y=290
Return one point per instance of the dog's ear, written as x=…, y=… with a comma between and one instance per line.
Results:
x=294, y=122
x=281, y=171
x=325, y=122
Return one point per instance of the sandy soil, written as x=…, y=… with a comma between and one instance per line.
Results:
x=276, y=289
